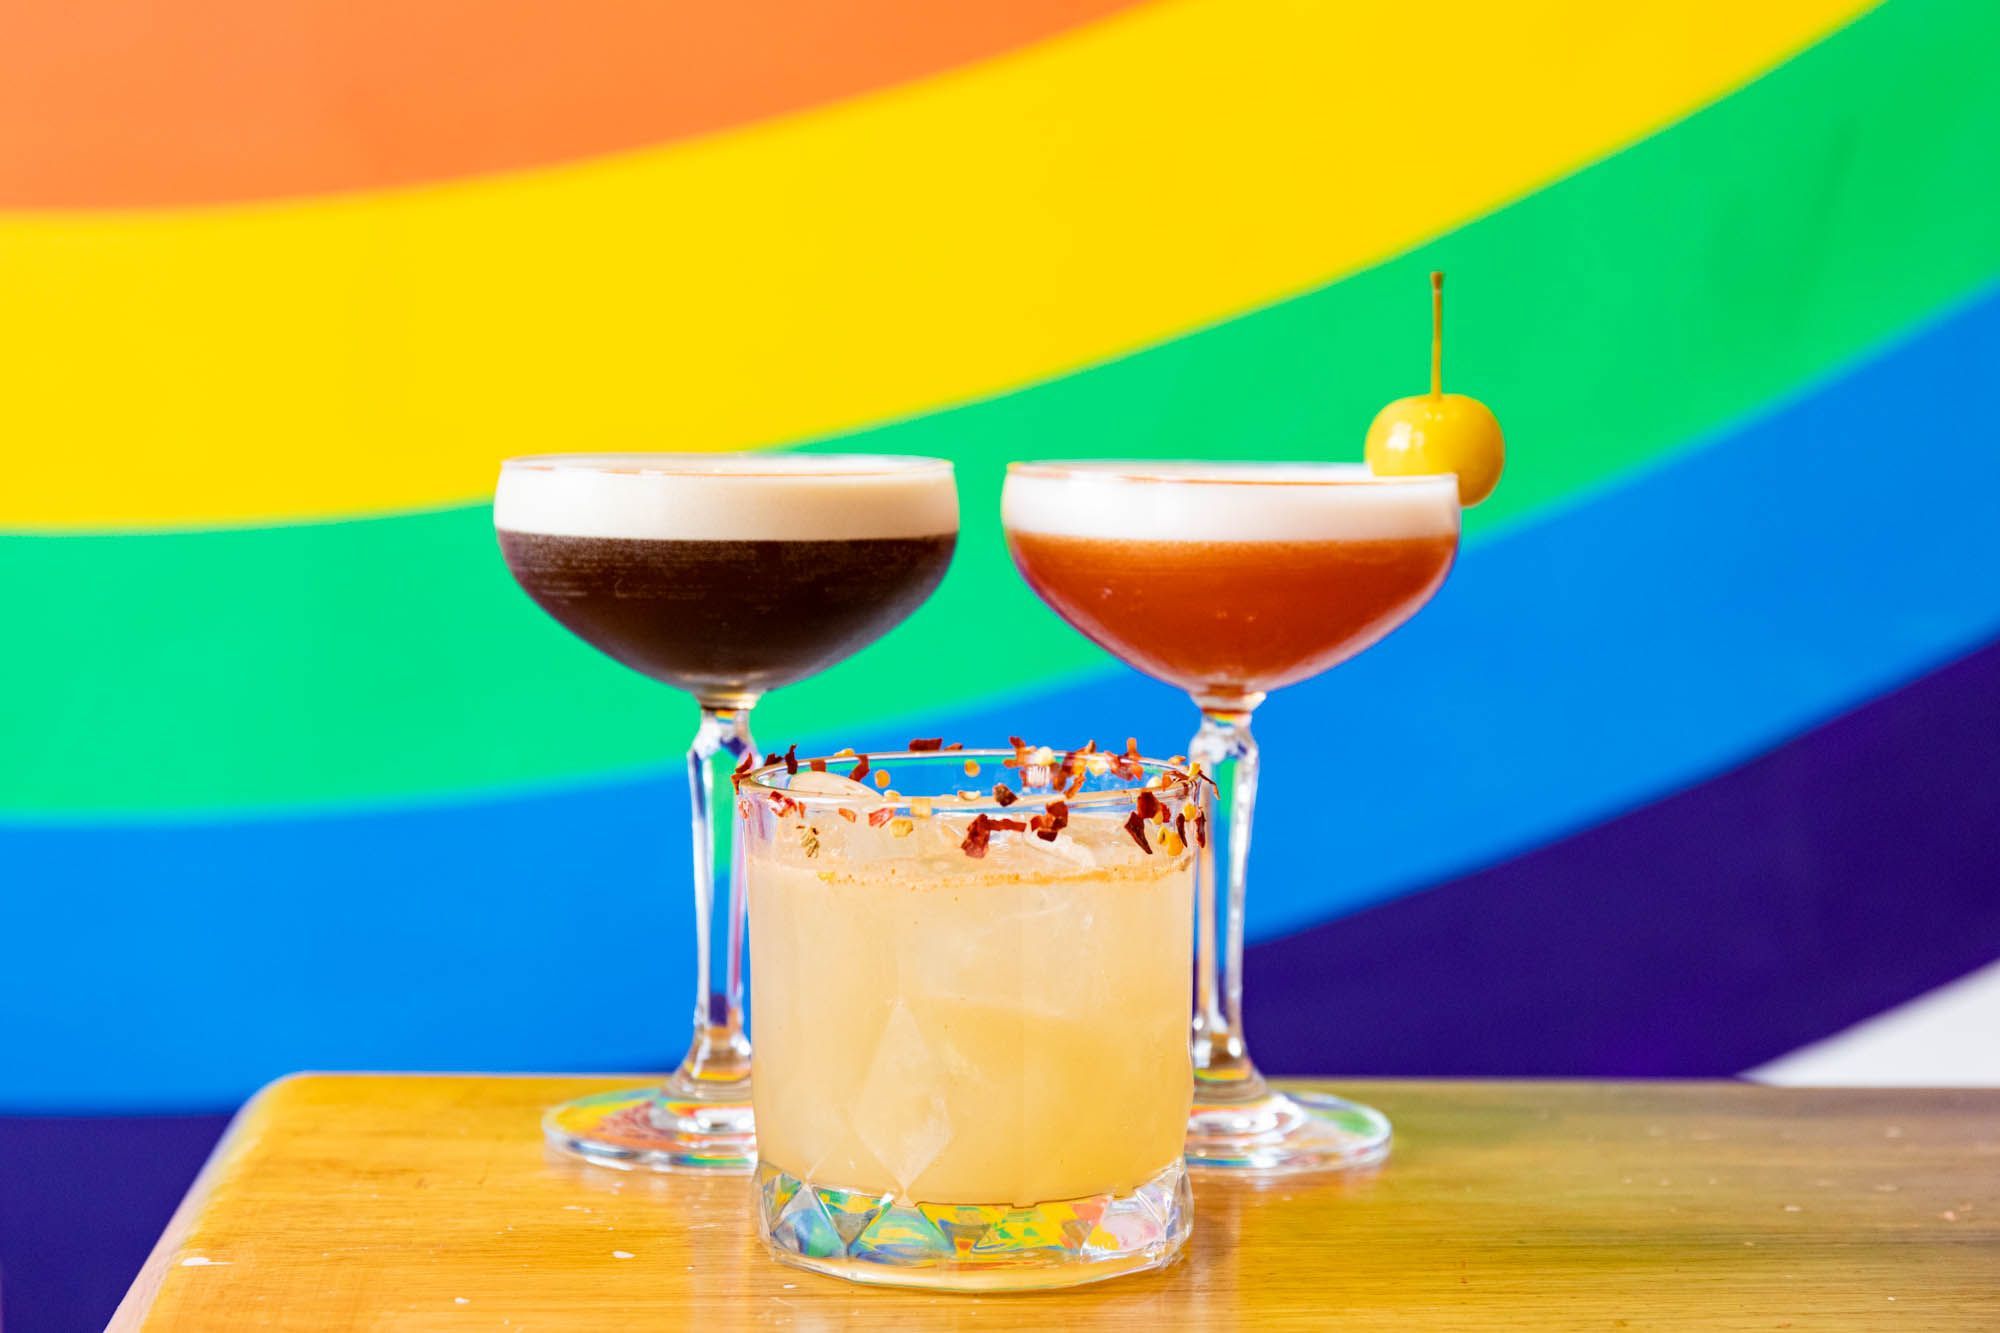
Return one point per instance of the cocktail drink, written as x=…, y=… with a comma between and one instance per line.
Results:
x=972, y=1006
x=726, y=576
x=1230, y=581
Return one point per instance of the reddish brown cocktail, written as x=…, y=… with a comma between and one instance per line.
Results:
x=1230, y=580
x=1223, y=618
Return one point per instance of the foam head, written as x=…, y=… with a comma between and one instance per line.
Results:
x=1226, y=502
x=727, y=497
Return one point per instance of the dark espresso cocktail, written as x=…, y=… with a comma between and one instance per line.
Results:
x=729, y=582
x=721, y=618
x=725, y=575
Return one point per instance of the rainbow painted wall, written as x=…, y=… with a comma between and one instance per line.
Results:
x=1697, y=757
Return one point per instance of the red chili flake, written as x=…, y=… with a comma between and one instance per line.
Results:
x=816, y=765
x=956, y=745
x=1048, y=824
x=845, y=814
x=1137, y=828
x=1201, y=828
x=1075, y=784
x=1074, y=767
x=1180, y=825
x=860, y=770
x=1147, y=805
x=1004, y=794
x=881, y=815
x=980, y=832
x=924, y=743
x=791, y=759
x=1017, y=742
x=746, y=763
x=1127, y=765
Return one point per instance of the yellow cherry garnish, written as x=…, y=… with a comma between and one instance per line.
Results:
x=1438, y=432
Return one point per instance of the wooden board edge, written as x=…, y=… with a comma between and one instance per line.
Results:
x=138, y=1299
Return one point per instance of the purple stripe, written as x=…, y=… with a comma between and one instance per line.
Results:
x=82, y=1200
x=1845, y=872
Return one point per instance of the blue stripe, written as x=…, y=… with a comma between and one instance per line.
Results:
x=1620, y=649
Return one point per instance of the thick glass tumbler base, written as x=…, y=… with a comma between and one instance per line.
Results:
x=1283, y=1134
x=652, y=1129
x=875, y=1238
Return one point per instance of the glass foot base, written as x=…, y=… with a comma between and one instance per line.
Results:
x=876, y=1238
x=651, y=1129
x=1284, y=1135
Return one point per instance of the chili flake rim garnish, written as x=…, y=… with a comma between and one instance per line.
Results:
x=1055, y=777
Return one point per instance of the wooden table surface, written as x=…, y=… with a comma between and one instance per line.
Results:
x=406, y=1202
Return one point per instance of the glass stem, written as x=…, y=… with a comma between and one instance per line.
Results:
x=717, y=1064
x=1227, y=753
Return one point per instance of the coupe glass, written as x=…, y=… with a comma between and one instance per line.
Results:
x=1232, y=580
x=972, y=1008
x=724, y=575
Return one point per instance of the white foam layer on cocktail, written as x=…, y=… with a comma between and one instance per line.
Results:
x=727, y=497
x=1226, y=502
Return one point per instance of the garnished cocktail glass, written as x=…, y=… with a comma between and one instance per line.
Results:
x=725, y=575
x=972, y=1008
x=1231, y=580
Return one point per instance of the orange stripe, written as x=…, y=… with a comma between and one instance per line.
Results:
x=115, y=103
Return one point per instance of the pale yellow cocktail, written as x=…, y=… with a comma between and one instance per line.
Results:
x=971, y=1038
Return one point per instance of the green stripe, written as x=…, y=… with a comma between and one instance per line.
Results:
x=1634, y=308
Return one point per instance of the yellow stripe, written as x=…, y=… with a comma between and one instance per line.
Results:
x=881, y=257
